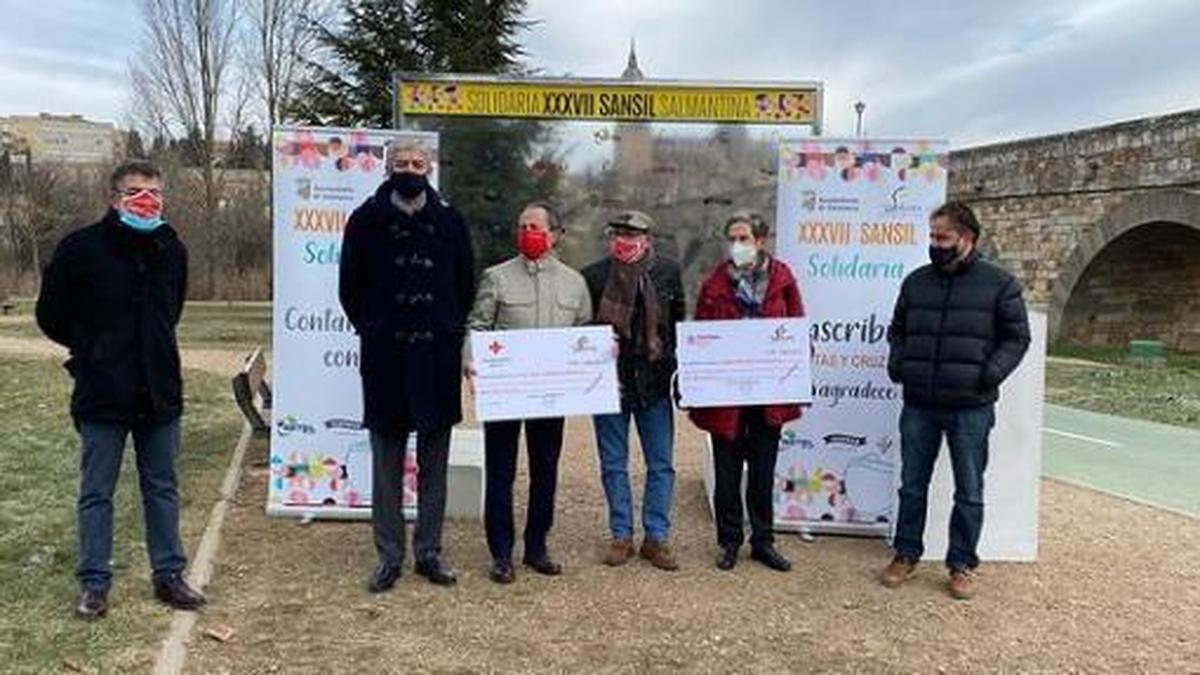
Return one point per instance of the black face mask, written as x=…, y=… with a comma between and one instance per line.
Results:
x=942, y=257
x=408, y=185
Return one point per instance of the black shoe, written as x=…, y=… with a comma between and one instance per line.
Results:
x=768, y=556
x=436, y=572
x=727, y=558
x=91, y=605
x=502, y=571
x=544, y=565
x=384, y=577
x=174, y=592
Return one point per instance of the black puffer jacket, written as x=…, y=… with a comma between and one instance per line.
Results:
x=113, y=297
x=644, y=382
x=956, y=336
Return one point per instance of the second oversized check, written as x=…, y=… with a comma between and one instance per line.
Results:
x=747, y=362
x=544, y=372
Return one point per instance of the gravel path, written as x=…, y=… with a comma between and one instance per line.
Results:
x=1117, y=590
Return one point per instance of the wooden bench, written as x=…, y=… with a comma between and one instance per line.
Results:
x=252, y=392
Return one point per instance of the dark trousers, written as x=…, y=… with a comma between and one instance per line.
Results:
x=387, y=499
x=966, y=432
x=543, y=442
x=157, y=447
x=756, y=446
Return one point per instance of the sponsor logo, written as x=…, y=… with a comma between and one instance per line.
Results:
x=702, y=340
x=885, y=444
x=845, y=439
x=795, y=440
x=290, y=424
x=496, y=347
x=899, y=202
x=342, y=425
x=583, y=344
x=781, y=334
x=811, y=202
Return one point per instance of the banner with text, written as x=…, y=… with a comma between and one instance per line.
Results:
x=320, y=454
x=616, y=100
x=852, y=223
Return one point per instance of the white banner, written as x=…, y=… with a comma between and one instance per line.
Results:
x=320, y=455
x=852, y=223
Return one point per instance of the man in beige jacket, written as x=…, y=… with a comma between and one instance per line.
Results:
x=532, y=290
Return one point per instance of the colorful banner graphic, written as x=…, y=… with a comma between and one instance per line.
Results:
x=853, y=222
x=617, y=100
x=320, y=454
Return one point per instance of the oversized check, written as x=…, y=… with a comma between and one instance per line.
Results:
x=544, y=372
x=748, y=362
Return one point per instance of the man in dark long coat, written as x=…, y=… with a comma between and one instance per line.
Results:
x=406, y=284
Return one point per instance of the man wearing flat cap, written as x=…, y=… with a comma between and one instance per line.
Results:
x=641, y=296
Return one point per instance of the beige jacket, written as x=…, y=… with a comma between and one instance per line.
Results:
x=519, y=293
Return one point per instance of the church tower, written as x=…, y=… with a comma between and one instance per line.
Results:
x=634, y=152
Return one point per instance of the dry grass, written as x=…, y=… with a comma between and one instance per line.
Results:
x=1117, y=590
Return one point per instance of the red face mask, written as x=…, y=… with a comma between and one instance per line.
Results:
x=144, y=204
x=533, y=244
x=628, y=250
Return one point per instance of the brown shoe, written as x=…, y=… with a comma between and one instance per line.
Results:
x=619, y=552
x=962, y=584
x=659, y=554
x=897, y=572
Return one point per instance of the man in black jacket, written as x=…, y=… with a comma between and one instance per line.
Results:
x=959, y=329
x=407, y=281
x=112, y=294
x=640, y=295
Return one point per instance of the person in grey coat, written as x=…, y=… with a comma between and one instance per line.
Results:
x=534, y=289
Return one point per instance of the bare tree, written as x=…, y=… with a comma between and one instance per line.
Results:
x=282, y=38
x=179, y=76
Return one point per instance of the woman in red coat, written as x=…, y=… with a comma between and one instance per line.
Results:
x=750, y=284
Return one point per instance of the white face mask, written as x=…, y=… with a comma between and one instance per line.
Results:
x=743, y=253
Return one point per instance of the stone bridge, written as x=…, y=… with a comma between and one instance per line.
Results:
x=1102, y=226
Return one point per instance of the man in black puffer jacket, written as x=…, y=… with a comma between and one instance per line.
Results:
x=958, y=330
x=112, y=294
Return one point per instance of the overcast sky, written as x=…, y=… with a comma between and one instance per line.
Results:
x=972, y=72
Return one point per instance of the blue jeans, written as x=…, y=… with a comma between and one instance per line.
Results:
x=656, y=430
x=157, y=447
x=966, y=431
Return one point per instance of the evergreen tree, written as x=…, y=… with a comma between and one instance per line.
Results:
x=247, y=150
x=350, y=82
x=134, y=148
x=485, y=164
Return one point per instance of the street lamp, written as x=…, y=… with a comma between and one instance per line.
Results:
x=859, y=107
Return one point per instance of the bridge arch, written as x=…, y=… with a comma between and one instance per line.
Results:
x=1135, y=275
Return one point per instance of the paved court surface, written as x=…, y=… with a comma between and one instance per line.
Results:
x=1154, y=463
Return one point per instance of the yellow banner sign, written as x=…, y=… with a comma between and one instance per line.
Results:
x=617, y=101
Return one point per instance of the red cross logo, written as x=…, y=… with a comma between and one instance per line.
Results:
x=495, y=347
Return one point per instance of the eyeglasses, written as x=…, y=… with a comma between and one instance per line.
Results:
x=133, y=192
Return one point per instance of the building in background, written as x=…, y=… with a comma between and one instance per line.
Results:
x=62, y=139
